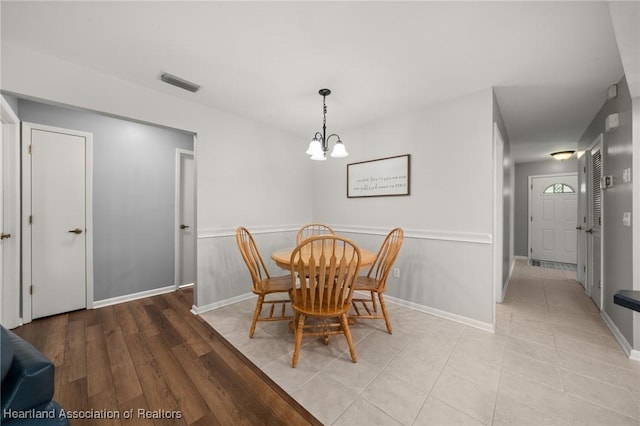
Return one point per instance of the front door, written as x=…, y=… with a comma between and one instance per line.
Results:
x=57, y=219
x=554, y=204
x=594, y=222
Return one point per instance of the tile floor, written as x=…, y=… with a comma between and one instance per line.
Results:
x=552, y=361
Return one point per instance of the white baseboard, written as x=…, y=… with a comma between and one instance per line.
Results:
x=505, y=285
x=134, y=296
x=622, y=341
x=197, y=310
x=443, y=314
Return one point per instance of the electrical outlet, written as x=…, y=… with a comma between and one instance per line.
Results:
x=396, y=272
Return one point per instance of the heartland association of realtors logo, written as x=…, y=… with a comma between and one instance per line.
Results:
x=140, y=413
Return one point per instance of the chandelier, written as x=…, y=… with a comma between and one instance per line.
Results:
x=319, y=146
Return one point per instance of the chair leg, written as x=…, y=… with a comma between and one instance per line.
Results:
x=347, y=334
x=385, y=313
x=296, y=348
x=373, y=301
x=256, y=314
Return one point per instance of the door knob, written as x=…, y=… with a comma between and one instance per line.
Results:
x=579, y=228
x=76, y=231
x=4, y=236
x=590, y=231
x=184, y=226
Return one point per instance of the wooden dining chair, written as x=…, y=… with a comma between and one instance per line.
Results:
x=312, y=230
x=263, y=283
x=331, y=265
x=375, y=282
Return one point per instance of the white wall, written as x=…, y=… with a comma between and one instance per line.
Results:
x=446, y=260
x=239, y=181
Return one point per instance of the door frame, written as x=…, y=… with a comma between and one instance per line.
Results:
x=530, y=207
x=10, y=252
x=581, y=220
x=178, y=196
x=26, y=211
x=498, y=216
x=589, y=240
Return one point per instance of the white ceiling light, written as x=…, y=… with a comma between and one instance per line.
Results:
x=562, y=155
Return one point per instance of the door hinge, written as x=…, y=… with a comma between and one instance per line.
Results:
x=600, y=220
x=584, y=268
x=30, y=148
x=30, y=289
x=531, y=218
x=585, y=169
x=531, y=250
x=30, y=220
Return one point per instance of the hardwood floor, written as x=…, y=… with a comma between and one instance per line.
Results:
x=154, y=357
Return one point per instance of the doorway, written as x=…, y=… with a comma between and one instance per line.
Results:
x=185, y=262
x=57, y=220
x=553, y=208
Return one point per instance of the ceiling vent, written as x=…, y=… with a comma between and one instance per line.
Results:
x=179, y=82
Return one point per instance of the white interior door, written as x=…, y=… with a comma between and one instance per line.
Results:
x=594, y=223
x=185, y=218
x=9, y=216
x=57, y=219
x=3, y=236
x=581, y=224
x=554, y=204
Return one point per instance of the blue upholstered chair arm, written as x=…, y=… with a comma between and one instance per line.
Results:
x=30, y=380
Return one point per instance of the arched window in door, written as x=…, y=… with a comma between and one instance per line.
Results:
x=559, y=188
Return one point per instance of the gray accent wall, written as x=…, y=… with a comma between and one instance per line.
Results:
x=521, y=193
x=617, y=261
x=133, y=197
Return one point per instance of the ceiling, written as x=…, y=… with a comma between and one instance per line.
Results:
x=549, y=62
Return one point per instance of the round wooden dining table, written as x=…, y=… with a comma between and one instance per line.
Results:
x=283, y=257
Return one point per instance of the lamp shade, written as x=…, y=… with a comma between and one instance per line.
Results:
x=339, y=150
x=315, y=148
x=319, y=156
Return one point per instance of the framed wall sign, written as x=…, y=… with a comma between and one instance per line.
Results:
x=379, y=178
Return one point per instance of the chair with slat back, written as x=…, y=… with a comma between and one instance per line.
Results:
x=331, y=265
x=312, y=230
x=263, y=283
x=375, y=282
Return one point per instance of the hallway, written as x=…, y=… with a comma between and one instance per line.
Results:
x=552, y=361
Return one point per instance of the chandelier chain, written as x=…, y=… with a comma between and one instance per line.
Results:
x=324, y=111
